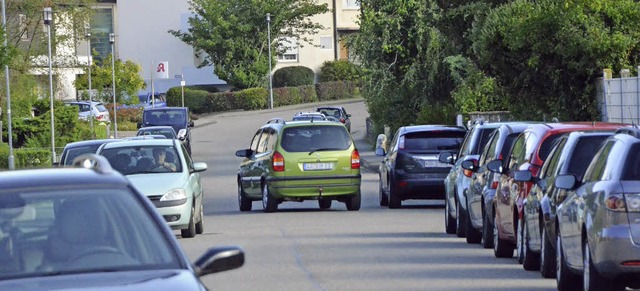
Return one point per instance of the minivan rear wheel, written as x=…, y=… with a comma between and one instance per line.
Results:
x=269, y=204
x=353, y=202
x=243, y=201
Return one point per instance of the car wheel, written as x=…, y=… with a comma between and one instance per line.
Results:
x=564, y=278
x=324, y=203
x=472, y=234
x=460, y=221
x=591, y=278
x=243, y=201
x=190, y=231
x=547, y=256
x=487, y=230
x=449, y=222
x=200, y=223
x=394, y=200
x=269, y=204
x=384, y=200
x=353, y=202
x=501, y=248
x=530, y=260
x=519, y=242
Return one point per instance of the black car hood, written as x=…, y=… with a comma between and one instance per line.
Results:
x=127, y=280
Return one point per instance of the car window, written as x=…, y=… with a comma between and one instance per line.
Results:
x=272, y=140
x=546, y=146
x=465, y=148
x=550, y=167
x=631, y=170
x=254, y=141
x=68, y=228
x=517, y=151
x=431, y=141
x=316, y=137
x=583, y=153
x=101, y=107
x=187, y=156
x=488, y=154
x=596, y=170
x=72, y=153
x=263, y=142
x=484, y=138
x=394, y=142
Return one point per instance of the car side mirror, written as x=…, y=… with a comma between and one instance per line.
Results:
x=182, y=134
x=219, y=259
x=523, y=176
x=244, y=153
x=469, y=165
x=495, y=166
x=199, y=167
x=191, y=124
x=348, y=115
x=567, y=182
x=542, y=183
x=446, y=157
x=139, y=124
x=380, y=152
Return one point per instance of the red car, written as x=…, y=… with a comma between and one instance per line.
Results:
x=528, y=152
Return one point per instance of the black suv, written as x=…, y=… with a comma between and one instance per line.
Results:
x=411, y=169
x=337, y=112
x=176, y=117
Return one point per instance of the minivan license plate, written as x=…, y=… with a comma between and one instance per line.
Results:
x=317, y=166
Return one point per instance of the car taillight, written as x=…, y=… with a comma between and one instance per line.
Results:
x=278, y=162
x=401, y=142
x=342, y=120
x=623, y=202
x=355, y=159
x=494, y=184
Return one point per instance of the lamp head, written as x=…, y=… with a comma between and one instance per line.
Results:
x=268, y=17
x=112, y=38
x=48, y=15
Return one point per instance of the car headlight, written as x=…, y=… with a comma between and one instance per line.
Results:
x=175, y=194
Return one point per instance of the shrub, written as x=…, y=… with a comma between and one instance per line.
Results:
x=223, y=101
x=340, y=70
x=293, y=76
x=252, y=98
x=195, y=100
x=337, y=90
x=25, y=157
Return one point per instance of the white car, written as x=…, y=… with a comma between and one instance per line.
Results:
x=162, y=170
x=98, y=110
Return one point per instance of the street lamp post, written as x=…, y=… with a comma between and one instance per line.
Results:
x=112, y=41
x=182, y=83
x=87, y=30
x=48, y=17
x=269, y=45
x=8, y=91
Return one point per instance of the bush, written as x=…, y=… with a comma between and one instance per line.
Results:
x=25, y=157
x=195, y=100
x=252, y=98
x=337, y=90
x=293, y=76
x=223, y=101
x=340, y=70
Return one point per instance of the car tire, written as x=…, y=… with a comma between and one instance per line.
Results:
x=190, y=231
x=592, y=279
x=353, y=202
x=449, y=222
x=384, y=200
x=564, y=278
x=501, y=248
x=487, y=230
x=519, y=242
x=200, y=223
x=547, y=256
x=460, y=221
x=244, y=202
x=472, y=234
x=394, y=200
x=269, y=204
x=530, y=259
x=324, y=203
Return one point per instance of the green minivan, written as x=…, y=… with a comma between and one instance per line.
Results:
x=297, y=161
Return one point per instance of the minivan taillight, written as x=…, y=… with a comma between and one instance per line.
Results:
x=355, y=159
x=278, y=162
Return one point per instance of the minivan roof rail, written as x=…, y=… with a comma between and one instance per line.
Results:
x=276, y=120
x=632, y=131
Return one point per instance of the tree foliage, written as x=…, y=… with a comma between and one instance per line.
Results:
x=127, y=75
x=232, y=35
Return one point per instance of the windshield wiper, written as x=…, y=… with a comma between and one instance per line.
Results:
x=323, y=150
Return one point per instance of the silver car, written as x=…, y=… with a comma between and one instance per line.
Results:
x=598, y=223
x=163, y=171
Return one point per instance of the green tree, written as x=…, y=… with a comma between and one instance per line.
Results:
x=232, y=35
x=128, y=80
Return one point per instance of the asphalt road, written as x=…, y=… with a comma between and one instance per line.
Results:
x=303, y=248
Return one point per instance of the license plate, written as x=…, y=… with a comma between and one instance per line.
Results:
x=317, y=166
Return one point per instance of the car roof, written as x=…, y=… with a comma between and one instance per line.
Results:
x=156, y=127
x=430, y=127
x=166, y=108
x=140, y=142
x=541, y=128
x=60, y=177
x=89, y=142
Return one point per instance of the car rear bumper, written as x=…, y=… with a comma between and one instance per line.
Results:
x=317, y=187
x=419, y=188
x=613, y=248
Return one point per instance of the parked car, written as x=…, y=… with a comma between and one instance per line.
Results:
x=598, y=222
x=297, y=161
x=483, y=184
x=171, y=182
x=570, y=155
x=165, y=130
x=98, y=110
x=529, y=151
x=91, y=229
x=337, y=112
x=411, y=168
x=78, y=148
x=176, y=117
x=300, y=116
x=458, y=179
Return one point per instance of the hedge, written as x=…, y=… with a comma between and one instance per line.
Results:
x=25, y=157
x=293, y=76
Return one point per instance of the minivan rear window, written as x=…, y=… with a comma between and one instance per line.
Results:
x=432, y=141
x=316, y=137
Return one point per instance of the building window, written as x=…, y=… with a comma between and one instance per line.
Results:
x=289, y=50
x=326, y=42
x=101, y=26
x=351, y=4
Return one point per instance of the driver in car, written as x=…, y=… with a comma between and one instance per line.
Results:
x=160, y=156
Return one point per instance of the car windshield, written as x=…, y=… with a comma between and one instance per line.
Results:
x=51, y=231
x=101, y=107
x=164, y=116
x=314, y=138
x=72, y=153
x=430, y=141
x=132, y=160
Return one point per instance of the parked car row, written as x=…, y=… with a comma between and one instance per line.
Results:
x=562, y=195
